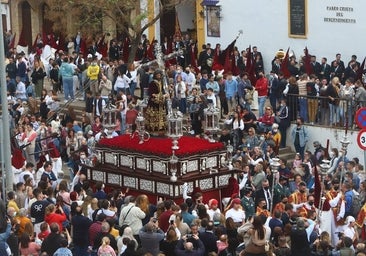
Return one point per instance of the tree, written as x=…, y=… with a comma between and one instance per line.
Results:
x=131, y=20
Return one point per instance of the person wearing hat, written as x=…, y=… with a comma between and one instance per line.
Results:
x=350, y=230
x=213, y=208
x=236, y=212
x=247, y=202
x=155, y=111
x=280, y=190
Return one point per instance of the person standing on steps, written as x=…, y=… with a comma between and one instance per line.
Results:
x=300, y=136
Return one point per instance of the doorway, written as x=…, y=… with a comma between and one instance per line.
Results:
x=26, y=32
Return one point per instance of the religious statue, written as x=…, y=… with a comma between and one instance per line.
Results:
x=156, y=107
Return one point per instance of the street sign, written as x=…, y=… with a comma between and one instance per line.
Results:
x=361, y=139
x=360, y=118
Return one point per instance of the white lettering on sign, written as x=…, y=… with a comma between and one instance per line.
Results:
x=340, y=13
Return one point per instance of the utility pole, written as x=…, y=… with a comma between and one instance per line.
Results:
x=5, y=133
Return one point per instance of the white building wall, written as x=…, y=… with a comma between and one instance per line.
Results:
x=157, y=24
x=265, y=24
x=322, y=134
x=143, y=9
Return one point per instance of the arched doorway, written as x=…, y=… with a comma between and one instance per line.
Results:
x=26, y=30
x=167, y=25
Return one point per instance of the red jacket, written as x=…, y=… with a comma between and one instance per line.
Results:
x=262, y=86
x=56, y=217
x=266, y=119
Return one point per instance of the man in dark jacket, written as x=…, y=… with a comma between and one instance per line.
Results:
x=300, y=234
x=53, y=241
x=185, y=247
x=209, y=239
x=80, y=233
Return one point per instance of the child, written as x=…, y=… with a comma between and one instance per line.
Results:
x=44, y=231
x=297, y=161
x=105, y=248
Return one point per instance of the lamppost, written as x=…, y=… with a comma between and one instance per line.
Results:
x=109, y=119
x=344, y=142
x=175, y=127
x=173, y=162
x=275, y=165
x=324, y=167
x=212, y=117
x=229, y=155
x=140, y=129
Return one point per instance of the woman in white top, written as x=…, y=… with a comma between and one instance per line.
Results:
x=122, y=83
x=180, y=94
x=237, y=128
x=52, y=102
x=349, y=229
x=132, y=74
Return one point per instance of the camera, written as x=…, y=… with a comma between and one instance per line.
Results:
x=189, y=236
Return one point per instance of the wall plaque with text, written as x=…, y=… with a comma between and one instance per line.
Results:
x=297, y=18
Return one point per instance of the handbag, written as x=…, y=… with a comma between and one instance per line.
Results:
x=266, y=246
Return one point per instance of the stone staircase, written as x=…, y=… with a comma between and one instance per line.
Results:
x=287, y=154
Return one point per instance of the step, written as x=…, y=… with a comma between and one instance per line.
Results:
x=287, y=156
x=285, y=150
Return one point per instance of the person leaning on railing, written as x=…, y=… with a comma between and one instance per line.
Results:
x=333, y=101
x=360, y=95
x=346, y=95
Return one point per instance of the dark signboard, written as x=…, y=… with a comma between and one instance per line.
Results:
x=297, y=18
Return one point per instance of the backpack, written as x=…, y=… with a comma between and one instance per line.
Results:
x=356, y=204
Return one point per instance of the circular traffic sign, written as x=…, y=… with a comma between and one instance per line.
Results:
x=361, y=139
x=360, y=118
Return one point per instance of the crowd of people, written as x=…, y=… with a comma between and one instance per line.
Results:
x=297, y=212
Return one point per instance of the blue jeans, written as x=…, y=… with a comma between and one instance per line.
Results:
x=133, y=88
x=183, y=105
x=80, y=250
x=68, y=85
x=303, y=104
x=261, y=103
x=300, y=150
x=333, y=114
